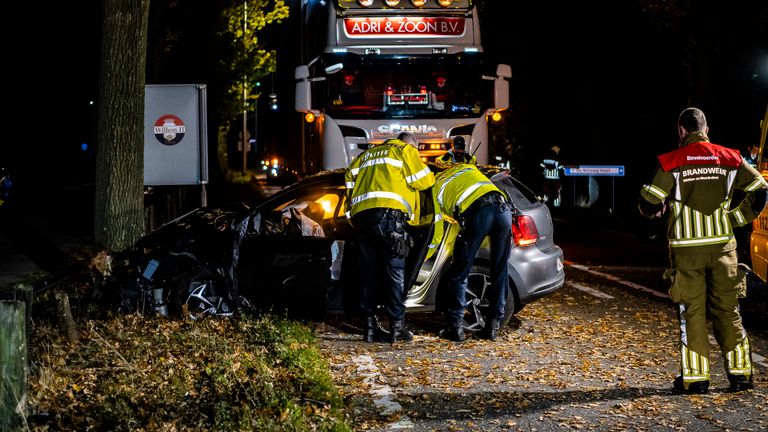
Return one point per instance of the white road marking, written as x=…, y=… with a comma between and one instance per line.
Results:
x=617, y=280
x=757, y=358
x=589, y=290
x=383, y=397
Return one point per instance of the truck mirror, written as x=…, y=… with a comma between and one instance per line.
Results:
x=504, y=71
x=332, y=69
x=303, y=96
x=501, y=94
x=302, y=72
x=303, y=89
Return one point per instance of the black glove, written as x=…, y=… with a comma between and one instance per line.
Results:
x=459, y=218
x=401, y=244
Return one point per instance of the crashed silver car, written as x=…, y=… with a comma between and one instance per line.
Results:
x=295, y=252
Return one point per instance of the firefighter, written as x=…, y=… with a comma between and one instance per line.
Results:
x=457, y=154
x=382, y=198
x=467, y=197
x=551, y=169
x=696, y=183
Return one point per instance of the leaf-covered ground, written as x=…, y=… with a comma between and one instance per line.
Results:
x=571, y=361
x=568, y=361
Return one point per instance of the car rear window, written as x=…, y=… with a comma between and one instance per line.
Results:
x=521, y=195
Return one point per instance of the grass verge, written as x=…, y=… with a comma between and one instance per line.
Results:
x=148, y=374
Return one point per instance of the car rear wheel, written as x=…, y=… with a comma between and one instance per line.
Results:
x=478, y=285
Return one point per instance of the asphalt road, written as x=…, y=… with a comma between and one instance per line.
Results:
x=34, y=242
x=14, y=264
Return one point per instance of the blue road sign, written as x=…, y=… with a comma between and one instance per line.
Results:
x=595, y=170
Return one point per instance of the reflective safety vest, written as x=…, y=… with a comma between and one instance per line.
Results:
x=699, y=180
x=388, y=175
x=551, y=169
x=454, y=191
x=449, y=159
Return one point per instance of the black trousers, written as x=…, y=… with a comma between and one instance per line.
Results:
x=382, y=272
x=485, y=217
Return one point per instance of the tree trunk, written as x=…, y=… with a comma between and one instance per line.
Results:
x=119, y=200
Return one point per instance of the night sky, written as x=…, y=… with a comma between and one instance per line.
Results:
x=602, y=80
x=606, y=82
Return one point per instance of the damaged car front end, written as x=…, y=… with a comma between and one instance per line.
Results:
x=184, y=268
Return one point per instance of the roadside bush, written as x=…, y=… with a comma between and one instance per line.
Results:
x=140, y=374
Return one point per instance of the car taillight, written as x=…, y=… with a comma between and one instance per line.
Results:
x=524, y=231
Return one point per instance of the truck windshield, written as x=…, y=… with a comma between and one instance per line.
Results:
x=404, y=87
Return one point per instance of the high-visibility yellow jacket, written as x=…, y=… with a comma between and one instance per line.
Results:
x=449, y=159
x=454, y=191
x=388, y=175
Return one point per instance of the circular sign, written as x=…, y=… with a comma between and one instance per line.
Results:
x=169, y=129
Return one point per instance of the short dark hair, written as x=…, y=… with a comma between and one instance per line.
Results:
x=408, y=138
x=458, y=143
x=693, y=120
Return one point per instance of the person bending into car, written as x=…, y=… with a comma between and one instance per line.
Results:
x=697, y=182
x=382, y=197
x=467, y=197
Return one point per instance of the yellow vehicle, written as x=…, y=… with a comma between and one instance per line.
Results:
x=758, y=241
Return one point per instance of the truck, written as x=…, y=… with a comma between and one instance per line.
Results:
x=758, y=240
x=391, y=66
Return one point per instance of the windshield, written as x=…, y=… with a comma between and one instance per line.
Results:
x=404, y=87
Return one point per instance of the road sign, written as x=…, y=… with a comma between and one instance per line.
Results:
x=595, y=170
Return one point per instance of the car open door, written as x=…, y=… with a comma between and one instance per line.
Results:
x=288, y=253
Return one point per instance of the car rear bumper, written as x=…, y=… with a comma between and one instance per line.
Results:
x=536, y=273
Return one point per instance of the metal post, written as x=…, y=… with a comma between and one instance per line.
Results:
x=202, y=118
x=303, y=123
x=245, y=139
x=255, y=129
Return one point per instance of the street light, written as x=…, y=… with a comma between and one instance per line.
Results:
x=303, y=136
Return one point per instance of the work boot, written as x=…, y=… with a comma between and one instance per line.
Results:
x=374, y=332
x=453, y=331
x=491, y=329
x=740, y=383
x=399, y=332
x=696, y=387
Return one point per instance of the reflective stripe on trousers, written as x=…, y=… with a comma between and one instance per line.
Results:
x=693, y=366
x=738, y=361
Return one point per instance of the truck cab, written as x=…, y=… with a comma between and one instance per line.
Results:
x=392, y=67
